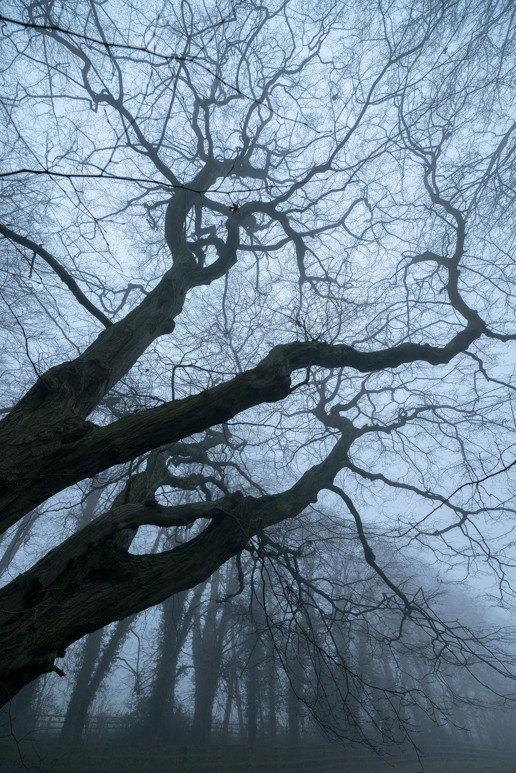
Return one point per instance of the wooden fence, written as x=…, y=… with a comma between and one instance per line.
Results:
x=49, y=726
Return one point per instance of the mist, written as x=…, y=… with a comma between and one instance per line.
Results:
x=257, y=501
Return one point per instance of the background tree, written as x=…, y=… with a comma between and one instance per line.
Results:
x=293, y=230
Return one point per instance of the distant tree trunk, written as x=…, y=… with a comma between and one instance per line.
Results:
x=272, y=688
x=176, y=623
x=238, y=701
x=229, y=704
x=86, y=696
x=293, y=715
x=386, y=676
x=17, y=540
x=206, y=680
x=253, y=677
x=81, y=697
x=204, y=657
x=80, y=700
x=207, y=644
x=161, y=699
x=356, y=650
x=295, y=690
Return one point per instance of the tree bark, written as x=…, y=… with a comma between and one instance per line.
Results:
x=48, y=446
x=77, y=710
x=176, y=622
x=207, y=642
x=91, y=579
x=253, y=688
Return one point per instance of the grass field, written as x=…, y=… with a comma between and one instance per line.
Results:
x=50, y=757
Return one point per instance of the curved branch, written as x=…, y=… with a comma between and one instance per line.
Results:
x=61, y=272
x=369, y=555
x=91, y=579
x=70, y=450
x=52, y=29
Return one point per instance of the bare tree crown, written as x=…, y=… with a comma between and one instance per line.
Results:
x=257, y=257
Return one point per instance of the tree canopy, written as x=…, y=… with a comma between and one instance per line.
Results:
x=258, y=288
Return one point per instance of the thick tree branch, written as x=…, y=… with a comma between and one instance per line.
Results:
x=73, y=389
x=71, y=450
x=61, y=272
x=91, y=579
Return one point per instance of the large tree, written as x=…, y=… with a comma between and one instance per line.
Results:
x=292, y=227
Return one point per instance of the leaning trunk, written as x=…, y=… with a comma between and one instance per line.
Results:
x=76, y=713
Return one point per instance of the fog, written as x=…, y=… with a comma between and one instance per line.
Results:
x=258, y=287
x=210, y=681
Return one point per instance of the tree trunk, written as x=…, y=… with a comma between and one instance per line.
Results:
x=75, y=717
x=253, y=681
x=295, y=691
x=272, y=688
x=91, y=579
x=176, y=623
x=160, y=703
x=49, y=445
x=224, y=735
x=104, y=665
x=206, y=656
x=17, y=540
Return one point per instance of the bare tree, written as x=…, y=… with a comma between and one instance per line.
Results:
x=293, y=229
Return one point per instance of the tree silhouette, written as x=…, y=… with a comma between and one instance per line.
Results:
x=293, y=228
